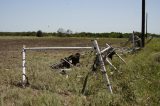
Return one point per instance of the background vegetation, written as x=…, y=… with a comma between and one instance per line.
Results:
x=82, y=34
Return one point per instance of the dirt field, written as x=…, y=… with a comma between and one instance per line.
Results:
x=11, y=47
x=13, y=43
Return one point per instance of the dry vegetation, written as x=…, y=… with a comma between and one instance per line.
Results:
x=138, y=82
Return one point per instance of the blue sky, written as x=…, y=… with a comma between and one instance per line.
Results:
x=77, y=15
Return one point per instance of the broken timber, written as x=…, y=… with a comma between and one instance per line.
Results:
x=103, y=68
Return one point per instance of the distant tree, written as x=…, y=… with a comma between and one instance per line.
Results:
x=39, y=33
x=68, y=31
x=61, y=30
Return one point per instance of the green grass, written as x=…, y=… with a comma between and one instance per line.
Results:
x=136, y=83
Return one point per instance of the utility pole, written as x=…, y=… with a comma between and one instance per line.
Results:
x=146, y=25
x=143, y=23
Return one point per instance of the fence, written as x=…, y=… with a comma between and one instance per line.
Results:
x=95, y=46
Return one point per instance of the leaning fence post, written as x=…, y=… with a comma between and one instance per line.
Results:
x=133, y=40
x=23, y=65
x=104, y=71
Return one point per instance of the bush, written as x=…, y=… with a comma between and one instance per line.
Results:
x=39, y=33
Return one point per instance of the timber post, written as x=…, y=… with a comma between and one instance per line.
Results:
x=23, y=66
x=102, y=65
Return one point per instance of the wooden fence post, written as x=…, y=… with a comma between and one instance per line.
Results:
x=23, y=65
x=102, y=65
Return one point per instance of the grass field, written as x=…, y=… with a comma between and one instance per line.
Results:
x=137, y=83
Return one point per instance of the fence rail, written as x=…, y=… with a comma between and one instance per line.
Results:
x=56, y=48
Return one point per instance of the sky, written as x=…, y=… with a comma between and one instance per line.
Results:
x=77, y=15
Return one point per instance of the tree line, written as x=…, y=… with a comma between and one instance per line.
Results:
x=81, y=34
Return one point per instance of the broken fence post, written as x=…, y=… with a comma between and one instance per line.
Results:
x=110, y=63
x=103, y=69
x=117, y=54
x=133, y=40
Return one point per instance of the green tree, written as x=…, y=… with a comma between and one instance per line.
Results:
x=39, y=33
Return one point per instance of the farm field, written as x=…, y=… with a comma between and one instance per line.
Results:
x=136, y=83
